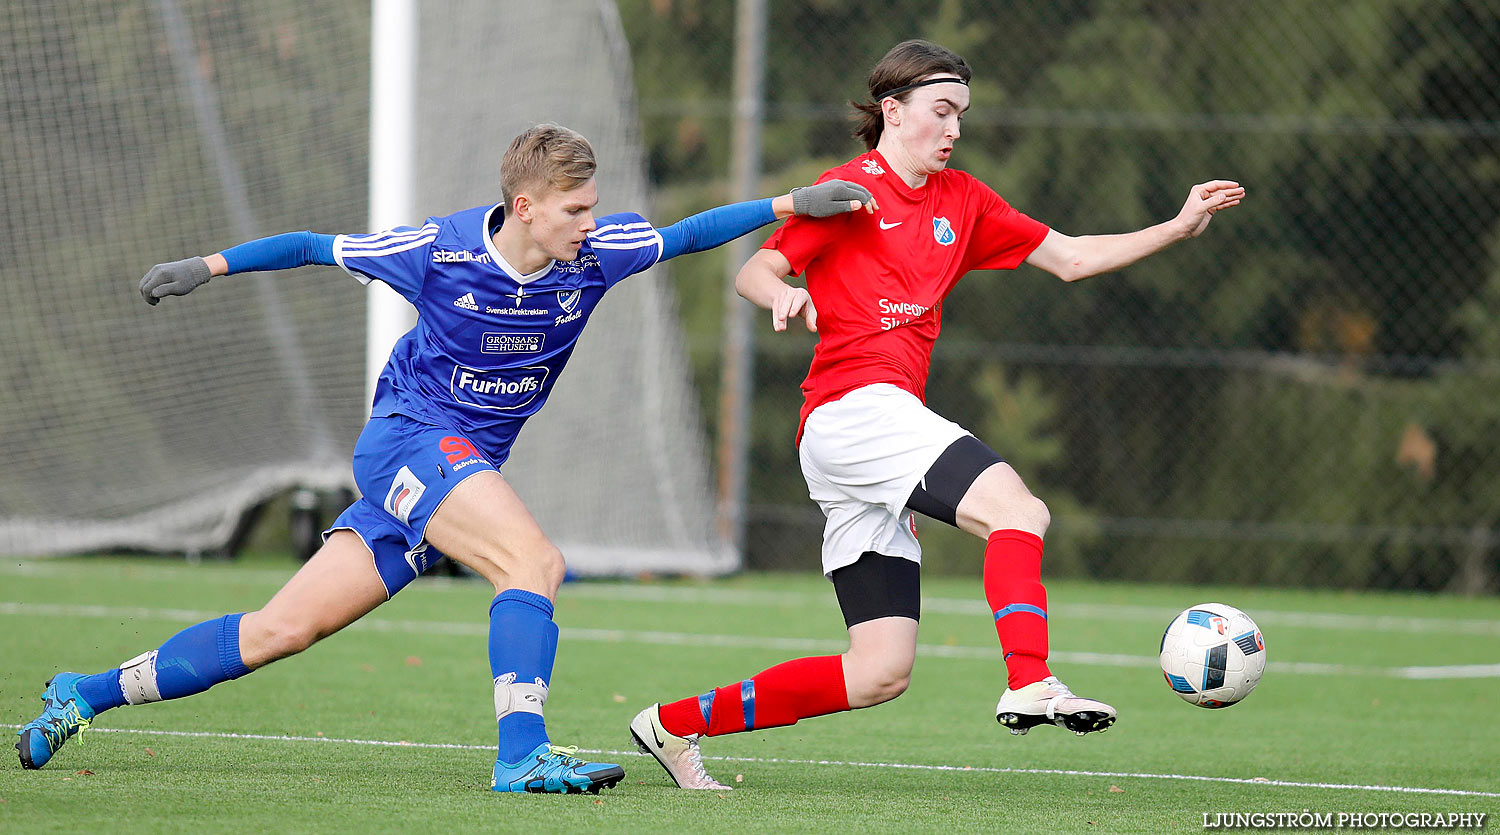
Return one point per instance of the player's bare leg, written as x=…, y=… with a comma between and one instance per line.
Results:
x=485, y=526
x=336, y=587
x=999, y=508
x=877, y=667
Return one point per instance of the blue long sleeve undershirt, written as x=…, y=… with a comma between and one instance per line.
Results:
x=280, y=252
x=714, y=227
x=695, y=233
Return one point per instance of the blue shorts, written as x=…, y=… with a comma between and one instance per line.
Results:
x=404, y=470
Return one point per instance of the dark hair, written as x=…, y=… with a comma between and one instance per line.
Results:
x=907, y=62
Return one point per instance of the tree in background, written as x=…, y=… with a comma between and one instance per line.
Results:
x=1240, y=404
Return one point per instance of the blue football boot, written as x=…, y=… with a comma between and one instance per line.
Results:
x=555, y=770
x=64, y=713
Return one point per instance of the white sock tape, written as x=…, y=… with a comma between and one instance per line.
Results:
x=138, y=679
x=511, y=697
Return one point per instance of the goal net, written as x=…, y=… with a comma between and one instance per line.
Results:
x=146, y=132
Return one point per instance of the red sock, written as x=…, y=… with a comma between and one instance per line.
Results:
x=1013, y=587
x=798, y=689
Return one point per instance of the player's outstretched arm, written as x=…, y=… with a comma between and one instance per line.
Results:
x=715, y=227
x=763, y=281
x=278, y=252
x=1071, y=258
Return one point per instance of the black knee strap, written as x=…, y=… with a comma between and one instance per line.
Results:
x=949, y=478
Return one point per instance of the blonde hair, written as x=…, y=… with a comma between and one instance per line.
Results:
x=546, y=155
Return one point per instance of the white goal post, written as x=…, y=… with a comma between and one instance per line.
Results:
x=205, y=124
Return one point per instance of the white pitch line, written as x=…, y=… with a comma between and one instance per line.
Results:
x=981, y=769
x=679, y=594
x=691, y=639
x=977, y=607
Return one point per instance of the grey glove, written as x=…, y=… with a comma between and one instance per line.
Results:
x=828, y=199
x=175, y=279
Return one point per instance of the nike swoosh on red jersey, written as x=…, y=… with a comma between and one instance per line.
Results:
x=884, y=225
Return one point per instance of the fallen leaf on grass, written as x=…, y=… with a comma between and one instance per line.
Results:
x=150, y=753
x=413, y=661
x=598, y=803
x=85, y=772
x=619, y=700
x=739, y=778
x=1116, y=790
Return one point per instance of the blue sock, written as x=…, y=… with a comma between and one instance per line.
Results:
x=190, y=662
x=101, y=691
x=523, y=641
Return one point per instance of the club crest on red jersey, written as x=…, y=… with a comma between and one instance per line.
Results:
x=942, y=230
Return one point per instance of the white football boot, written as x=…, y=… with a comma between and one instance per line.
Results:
x=679, y=755
x=1050, y=702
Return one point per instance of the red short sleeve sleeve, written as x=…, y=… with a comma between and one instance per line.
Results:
x=1003, y=237
x=802, y=239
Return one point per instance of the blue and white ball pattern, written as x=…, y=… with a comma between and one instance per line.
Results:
x=1212, y=655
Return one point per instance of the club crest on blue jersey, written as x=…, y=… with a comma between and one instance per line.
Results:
x=569, y=299
x=942, y=230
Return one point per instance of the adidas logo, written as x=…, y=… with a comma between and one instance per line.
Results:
x=466, y=301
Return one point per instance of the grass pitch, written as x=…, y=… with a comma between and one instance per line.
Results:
x=1371, y=703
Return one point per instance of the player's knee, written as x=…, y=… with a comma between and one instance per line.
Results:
x=890, y=685
x=540, y=561
x=271, y=638
x=535, y=565
x=1022, y=512
x=1036, y=515
x=881, y=687
x=873, y=681
x=552, y=565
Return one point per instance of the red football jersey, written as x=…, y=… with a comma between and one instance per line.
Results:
x=879, y=281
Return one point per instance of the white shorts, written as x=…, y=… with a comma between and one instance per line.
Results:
x=862, y=456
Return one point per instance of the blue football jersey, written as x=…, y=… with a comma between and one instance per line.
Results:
x=489, y=342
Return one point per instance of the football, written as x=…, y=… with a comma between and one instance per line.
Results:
x=1212, y=655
